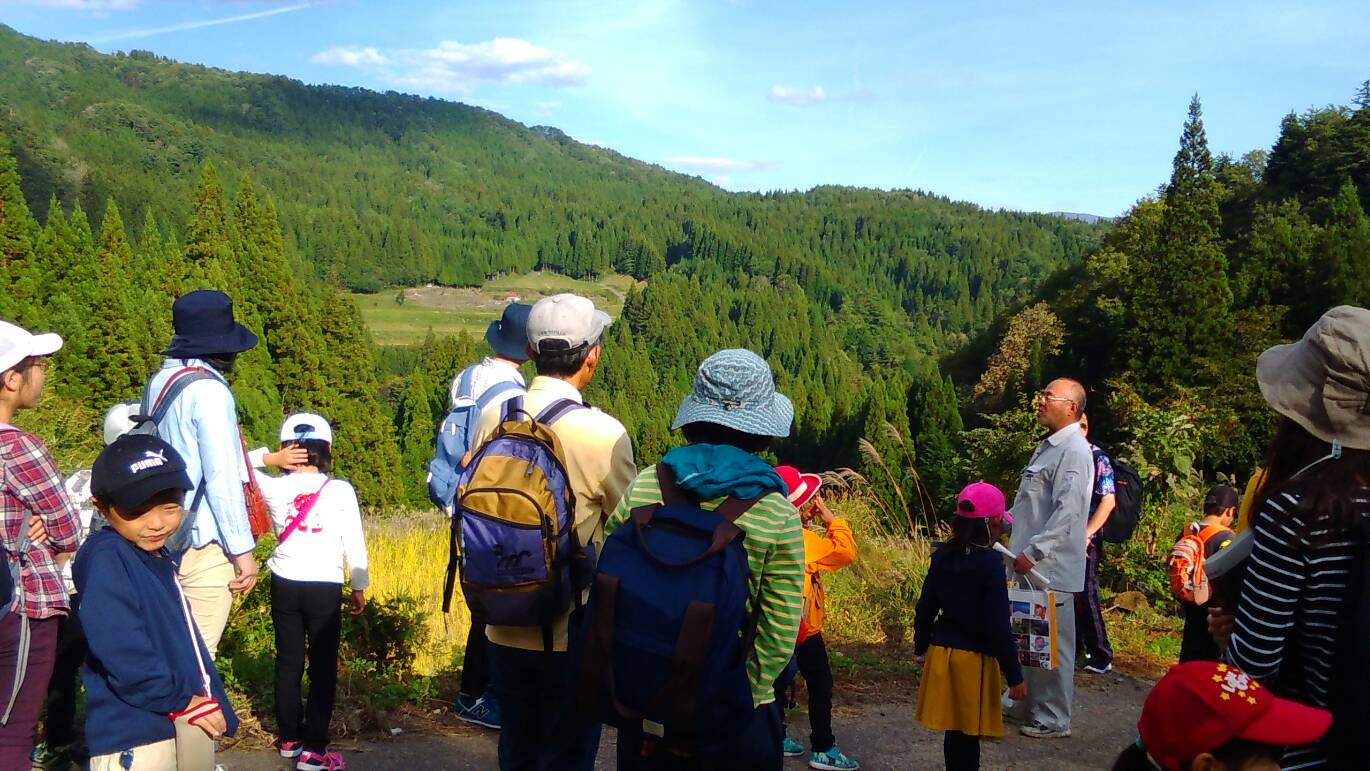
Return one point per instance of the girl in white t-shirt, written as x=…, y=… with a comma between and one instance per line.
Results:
x=318, y=528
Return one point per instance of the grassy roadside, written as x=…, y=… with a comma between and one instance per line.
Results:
x=401, y=661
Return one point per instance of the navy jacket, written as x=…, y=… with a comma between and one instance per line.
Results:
x=141, y=666
x=965, y=605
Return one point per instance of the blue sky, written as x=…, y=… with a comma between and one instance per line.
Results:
x=1036, y=106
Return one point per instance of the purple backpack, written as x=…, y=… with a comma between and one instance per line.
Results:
x=521, y=562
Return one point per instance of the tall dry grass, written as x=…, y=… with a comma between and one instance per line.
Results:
x=408, y=557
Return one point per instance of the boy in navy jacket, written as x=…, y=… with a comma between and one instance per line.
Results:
x=153, y=698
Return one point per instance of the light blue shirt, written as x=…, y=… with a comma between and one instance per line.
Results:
x=202, y=424
x=1051, y=511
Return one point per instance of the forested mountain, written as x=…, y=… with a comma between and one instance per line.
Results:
x=851, y=294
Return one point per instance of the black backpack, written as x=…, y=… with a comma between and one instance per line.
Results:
x=1128, y=504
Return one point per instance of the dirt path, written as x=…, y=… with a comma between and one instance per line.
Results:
x=882, y=735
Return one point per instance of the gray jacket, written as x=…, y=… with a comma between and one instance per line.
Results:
x=1051, y=510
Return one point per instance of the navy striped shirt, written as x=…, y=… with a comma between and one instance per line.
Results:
x=1293, y=592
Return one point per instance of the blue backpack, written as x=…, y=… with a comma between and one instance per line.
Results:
x=454, y=437
x=521, y=562
x=668, y=634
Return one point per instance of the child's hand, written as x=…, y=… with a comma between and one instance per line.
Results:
x=206, y=715
x=821, y=510
x=1018, y=692
x=287, y=457
x=357, y=603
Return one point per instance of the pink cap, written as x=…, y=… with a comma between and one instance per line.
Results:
x=982, y=500
x=802, y=486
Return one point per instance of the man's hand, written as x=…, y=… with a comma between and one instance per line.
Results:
x=1018, y=692
x=38, y=532
x=247, y=573
x=1021, y=564
x=1220, y=626
x=357, y=603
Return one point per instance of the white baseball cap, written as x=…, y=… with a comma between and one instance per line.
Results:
x=17, y=344
x=119, y=420
x=570, y=319
x=306, y=425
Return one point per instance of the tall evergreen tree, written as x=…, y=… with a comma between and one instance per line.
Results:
x=17, y=230
x=1180, y=311
x=1343, y=251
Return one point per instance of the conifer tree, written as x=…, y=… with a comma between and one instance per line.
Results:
x=1180, y=311
x=17, y=230
x=1343, y=251
x=365, y=449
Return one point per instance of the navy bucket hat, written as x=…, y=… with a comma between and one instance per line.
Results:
x=204, y=325
x=508, y=335
x=734, y=388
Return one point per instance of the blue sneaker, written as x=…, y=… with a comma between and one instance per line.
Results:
x=832, y=760
x=791, y=748
x=482, y=712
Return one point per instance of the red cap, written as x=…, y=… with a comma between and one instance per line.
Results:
x=1202, y=705
x=801, y=486
x=982, y=500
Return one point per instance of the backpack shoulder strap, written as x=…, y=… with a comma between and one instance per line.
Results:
x=178, y=382
x=495, y=391
x=512, y=408
x=1208, y=531
x=558, y=410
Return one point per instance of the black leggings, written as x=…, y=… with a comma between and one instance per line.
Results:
x=306, y=613
x=961, y=752
x=812, y=659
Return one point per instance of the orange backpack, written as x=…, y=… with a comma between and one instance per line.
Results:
x=1187, y=561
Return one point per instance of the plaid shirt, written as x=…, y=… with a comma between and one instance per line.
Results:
x=30, y=484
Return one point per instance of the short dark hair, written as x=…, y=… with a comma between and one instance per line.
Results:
x=712, y=433
x=320, y=453
x=561, y=363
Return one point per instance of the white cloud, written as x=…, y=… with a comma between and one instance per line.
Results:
x=452, y=67
x=351, y=57
x=188, y=25
x=797, y=96
x=720, y=167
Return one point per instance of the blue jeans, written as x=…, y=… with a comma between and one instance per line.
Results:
x=542, y=728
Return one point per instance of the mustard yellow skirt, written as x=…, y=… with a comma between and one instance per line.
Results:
x=961, y=691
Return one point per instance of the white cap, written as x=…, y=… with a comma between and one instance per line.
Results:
x=306, y=425
x=119, y=420
x=17, y=344
x=571, y=319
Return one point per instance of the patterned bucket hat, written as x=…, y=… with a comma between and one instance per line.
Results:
x=734, y=388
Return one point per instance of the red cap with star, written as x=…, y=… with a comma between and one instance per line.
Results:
x=1202, y=705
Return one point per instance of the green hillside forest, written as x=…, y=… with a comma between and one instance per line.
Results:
x=909, y=329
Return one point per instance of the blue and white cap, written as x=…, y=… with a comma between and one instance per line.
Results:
x=734, y=388
x=306, y=425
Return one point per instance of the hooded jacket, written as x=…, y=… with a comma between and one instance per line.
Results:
x=142, y=665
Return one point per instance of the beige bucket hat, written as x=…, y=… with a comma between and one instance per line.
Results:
x=1322, y=382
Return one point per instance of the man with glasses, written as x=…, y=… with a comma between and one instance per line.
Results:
x=1050, y=516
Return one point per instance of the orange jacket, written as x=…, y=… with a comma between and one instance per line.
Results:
x=832, y=551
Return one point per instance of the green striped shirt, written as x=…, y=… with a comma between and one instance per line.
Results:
x=775, y=566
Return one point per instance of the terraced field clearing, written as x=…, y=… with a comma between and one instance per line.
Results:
x=450, y=311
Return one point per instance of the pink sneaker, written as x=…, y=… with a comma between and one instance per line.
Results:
x=289, y=749
x=328, y=761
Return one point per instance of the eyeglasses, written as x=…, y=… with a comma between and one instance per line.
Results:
x=1047, y=397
